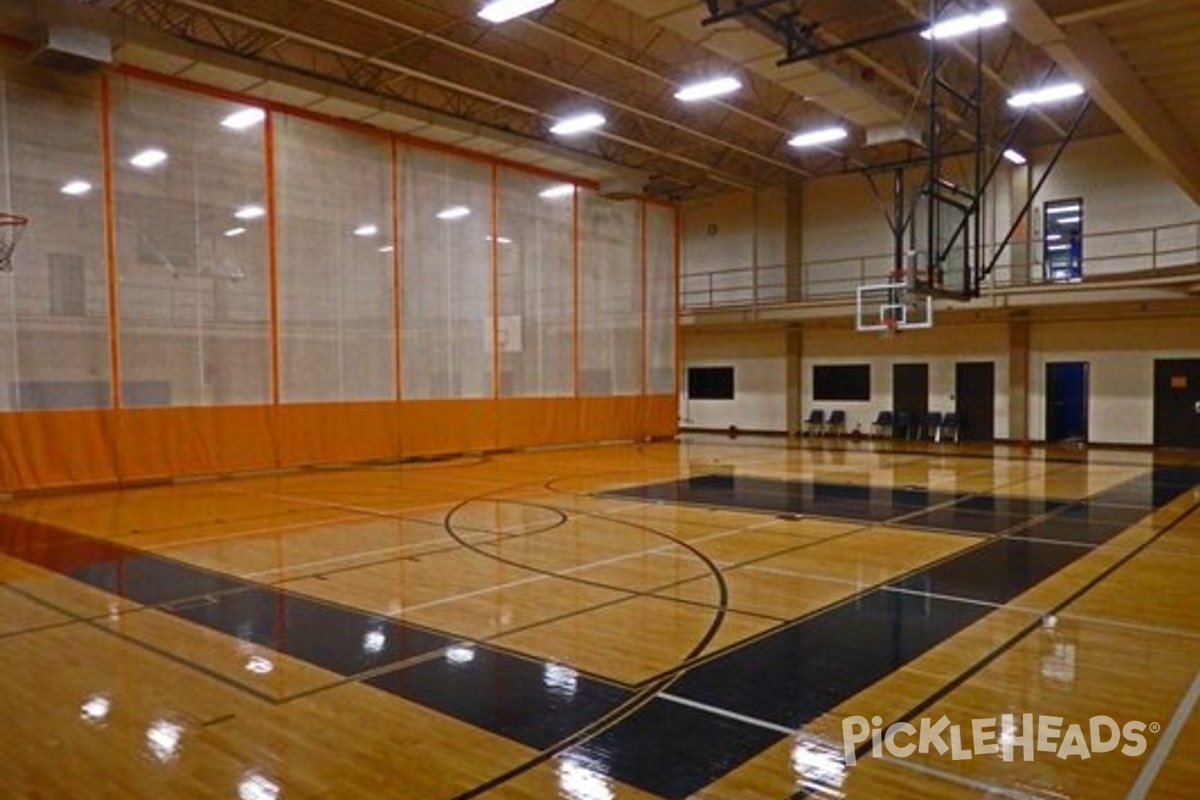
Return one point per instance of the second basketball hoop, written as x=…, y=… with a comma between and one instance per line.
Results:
x=892, y=306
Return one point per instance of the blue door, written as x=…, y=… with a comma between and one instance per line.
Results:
x=1067, y=401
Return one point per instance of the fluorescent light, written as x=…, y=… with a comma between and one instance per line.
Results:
x=1071, y=209
x=387, y=248
x=149, y=158
x=706, y=89
x=1067, y=220
x=1014, y=157
x=235, y=232
x=454, y=212
x=250, y=212
x=246, y=118
x=1054, y=237
x=819, y=136
x=76, y=188
x=968, y=23
x=504, y=10
x=366, y=229
x=1049, y=94
x=556, y=191
x=1059, y=247
x=500, y=240
x=578, y=124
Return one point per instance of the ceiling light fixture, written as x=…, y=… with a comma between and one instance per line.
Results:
x=1014, y=157
x=149, y=158
x=578, y=124
x=503, y=10
x=235, y=232
x=76, y=188
x=968, y=23
x=1049, y=94
x=366, y=230
x=705, y=90
x=246, y=118
x=819, y=136
x=454, y=212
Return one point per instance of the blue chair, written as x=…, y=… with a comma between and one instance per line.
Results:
x=836, y=423
x=815, y=424
x=882, y=426
x=931, y=426
x=951, y=427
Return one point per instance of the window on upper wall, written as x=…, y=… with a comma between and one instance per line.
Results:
x=710, y=383
x=1062, y=242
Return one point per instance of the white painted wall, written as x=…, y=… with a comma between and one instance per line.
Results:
x=759, y=361
x=939, y=347
x=1124, y=191
x=846, y=238
x=728, y=237
x=1121, y=356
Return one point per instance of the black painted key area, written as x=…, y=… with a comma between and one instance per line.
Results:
x=716, y=715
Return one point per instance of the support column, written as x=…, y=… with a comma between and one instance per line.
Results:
x=1021, y=251
x=795, y=379
x=1018, y=379
x=794, y=243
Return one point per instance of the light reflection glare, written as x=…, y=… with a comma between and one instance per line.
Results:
x=254, y=786
x=580, y=781
x=560, y=679
x=162, y=739
x=95, y=709
x=819, y=766
x=260, y=666
x=373, y=642
x=460, y=654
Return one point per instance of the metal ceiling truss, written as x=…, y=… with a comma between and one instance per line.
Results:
x=490, y=82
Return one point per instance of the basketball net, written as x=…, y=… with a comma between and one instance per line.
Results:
x=891, y=328
x=11, y=228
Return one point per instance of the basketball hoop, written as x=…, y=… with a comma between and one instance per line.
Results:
x=11, y=228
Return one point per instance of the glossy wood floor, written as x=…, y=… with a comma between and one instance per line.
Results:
x=631, y=621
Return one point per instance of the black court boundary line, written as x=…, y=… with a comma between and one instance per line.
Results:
x=97, y=621
x=1018, y=637
x=982, y=542
x=648, y=691
x=641, y=696
x=1084, y=460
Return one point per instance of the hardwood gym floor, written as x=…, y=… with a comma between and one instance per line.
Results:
x=701, y=619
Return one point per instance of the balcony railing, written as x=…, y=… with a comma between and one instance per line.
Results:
x=1136, y=253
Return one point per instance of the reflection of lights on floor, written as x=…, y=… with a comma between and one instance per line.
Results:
x=254, y=786
x=163, y=738
x=819, y=766
x=95, y=709
x=460, y=654
x=373, y=642
x=560, y=679
x=579, y=781
x=260, y=665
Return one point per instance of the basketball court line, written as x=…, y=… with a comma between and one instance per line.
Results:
x=953, y=684
x=724, y=712
x=1166, y=742
x=993, y=790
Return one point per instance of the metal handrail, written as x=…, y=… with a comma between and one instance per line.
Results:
x=1107, y=254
